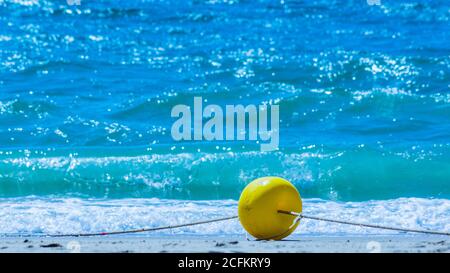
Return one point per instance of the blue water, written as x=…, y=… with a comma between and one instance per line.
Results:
x=86, y=93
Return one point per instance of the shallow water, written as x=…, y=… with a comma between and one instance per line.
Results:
x=41, y=216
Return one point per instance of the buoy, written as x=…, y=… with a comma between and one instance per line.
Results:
x=259, y=204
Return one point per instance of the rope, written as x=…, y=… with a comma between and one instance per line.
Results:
x=297, y=218
x=300, y=215
x=134, y=230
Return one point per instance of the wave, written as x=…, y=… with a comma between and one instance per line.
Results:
x=37, y=216
x=351, y=175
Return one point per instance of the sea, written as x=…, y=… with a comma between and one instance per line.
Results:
x=87, y=88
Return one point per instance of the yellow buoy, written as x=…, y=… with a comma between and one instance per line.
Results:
x=259, y=204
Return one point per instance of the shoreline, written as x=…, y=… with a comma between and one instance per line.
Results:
x=228, y=244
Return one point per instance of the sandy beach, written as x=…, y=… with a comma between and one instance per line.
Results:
x=179, y=126
x=228, y=244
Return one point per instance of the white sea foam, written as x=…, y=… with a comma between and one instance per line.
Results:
x=70, y=215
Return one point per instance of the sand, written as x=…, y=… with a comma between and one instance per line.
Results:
x=232, y=244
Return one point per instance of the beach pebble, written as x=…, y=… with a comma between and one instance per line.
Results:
x=52, y=245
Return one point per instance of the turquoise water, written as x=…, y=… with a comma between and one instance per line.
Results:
x=86, y=93
x=357, y=174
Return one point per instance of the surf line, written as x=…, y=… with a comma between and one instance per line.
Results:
x=258, y=204
x=298, y=216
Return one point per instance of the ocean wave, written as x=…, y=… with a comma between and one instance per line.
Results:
x=359, y=174
x=37, y=216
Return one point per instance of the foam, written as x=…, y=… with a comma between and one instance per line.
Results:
x=72, y=215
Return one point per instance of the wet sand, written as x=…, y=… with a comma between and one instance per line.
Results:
x=231, y=244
